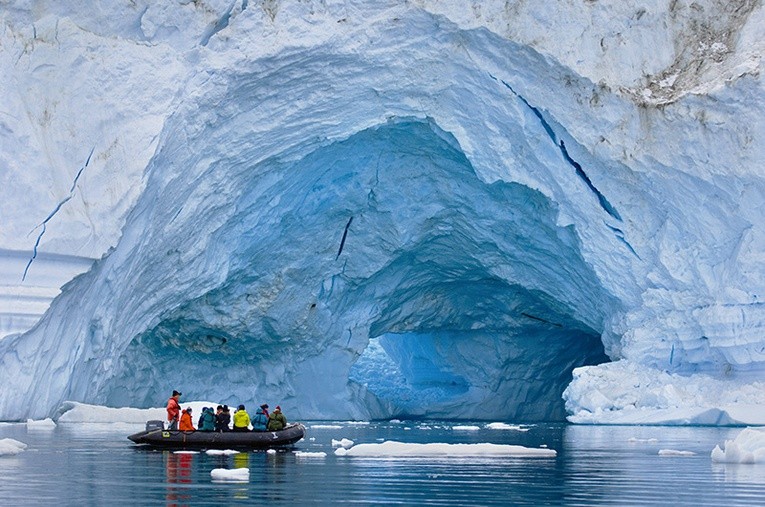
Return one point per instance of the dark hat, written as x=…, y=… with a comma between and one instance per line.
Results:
x=241, y=407
x=265, y=405
x=176, y=393
x=188, y=409
x=278, y=407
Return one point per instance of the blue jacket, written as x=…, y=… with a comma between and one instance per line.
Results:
x=259, y=421
x=207, y=421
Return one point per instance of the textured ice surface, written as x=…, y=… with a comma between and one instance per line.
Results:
x=377, y=209
x=748, y=447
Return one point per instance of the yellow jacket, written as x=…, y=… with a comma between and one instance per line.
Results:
x=241, y=419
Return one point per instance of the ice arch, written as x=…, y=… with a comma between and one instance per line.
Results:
x=388, y=233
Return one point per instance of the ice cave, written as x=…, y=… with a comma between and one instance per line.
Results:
x=405, y=210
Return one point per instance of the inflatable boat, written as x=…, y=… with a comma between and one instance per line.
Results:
x=156, y=436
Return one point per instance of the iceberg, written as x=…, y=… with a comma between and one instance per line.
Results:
x=381, y=210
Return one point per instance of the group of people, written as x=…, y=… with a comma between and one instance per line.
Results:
x=220, y=420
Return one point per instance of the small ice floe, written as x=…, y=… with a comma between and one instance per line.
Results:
x=185, y=452
x=357, y=423
x=220, y=452
x=392, y=449
x=748, y=447
x=312, y=439
x=424, y=428
x=11, y=447
x=673, y=452
x=395, y=421
x=306, y=454
x=44, y=424
x=233, y=475
x=466, y=428
x=635, y=440
x=346, y=443
x=326, y=427
x=271, y=451
x=504, y=426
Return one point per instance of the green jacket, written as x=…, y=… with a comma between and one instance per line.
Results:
x=241, y=419
x=276, y=421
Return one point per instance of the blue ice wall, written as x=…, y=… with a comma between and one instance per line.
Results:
x=480, y=301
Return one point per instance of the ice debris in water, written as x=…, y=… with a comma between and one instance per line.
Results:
x=306, y=454
x=234, y=475
x=10, y=447
x=466, y=428
x=748, y=447
x=401, y=449
x=346, y=443
x=673, y=452
x=504, y=426
x=219, y=452
x=47, y=423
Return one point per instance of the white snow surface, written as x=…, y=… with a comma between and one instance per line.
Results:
x=75, y=412
x=392, y=449
x=230, y=475
x=748, y=447
x=11, y=447
x=449, y=204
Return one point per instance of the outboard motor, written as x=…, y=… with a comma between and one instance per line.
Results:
x=155, y=425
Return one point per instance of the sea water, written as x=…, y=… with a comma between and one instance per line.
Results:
x=95, y=464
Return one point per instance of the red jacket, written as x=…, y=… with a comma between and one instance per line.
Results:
x=172, y=409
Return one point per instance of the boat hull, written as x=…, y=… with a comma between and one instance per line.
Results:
x=175, y=439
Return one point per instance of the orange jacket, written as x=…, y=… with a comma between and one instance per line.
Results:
x=186, y=424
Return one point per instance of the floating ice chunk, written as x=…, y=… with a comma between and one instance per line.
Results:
x=392, y=449
x=234, y=475
x=326, y=427
x=219, y=452
x=357, y=423
x=11, y=447
x=185, y=452
x=466, y=428
x=504, y=426
x=306, y=454
x=271, y=451
x=395, y=421
x=672, y=452
x=342, y=443
x=748, y=447
x=42, y=424
x=635, y=440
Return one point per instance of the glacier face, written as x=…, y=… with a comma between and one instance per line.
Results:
x=379, y=210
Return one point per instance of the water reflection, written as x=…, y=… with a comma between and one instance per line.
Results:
x=178, y=470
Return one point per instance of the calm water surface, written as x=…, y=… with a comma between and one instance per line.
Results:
x=97, y=465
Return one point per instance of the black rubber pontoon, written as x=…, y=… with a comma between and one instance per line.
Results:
x=176, y=439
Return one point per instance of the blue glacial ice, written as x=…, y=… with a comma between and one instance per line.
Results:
x=420, y=210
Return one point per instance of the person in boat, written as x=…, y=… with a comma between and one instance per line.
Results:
x=207, y=421
x=241, y=419
x=219, y=424
x=260, y=419
x=265, y=409
x=277, y=421
x=201, y=416
x=222, y=422
x=173, y=410
x=186, y=424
